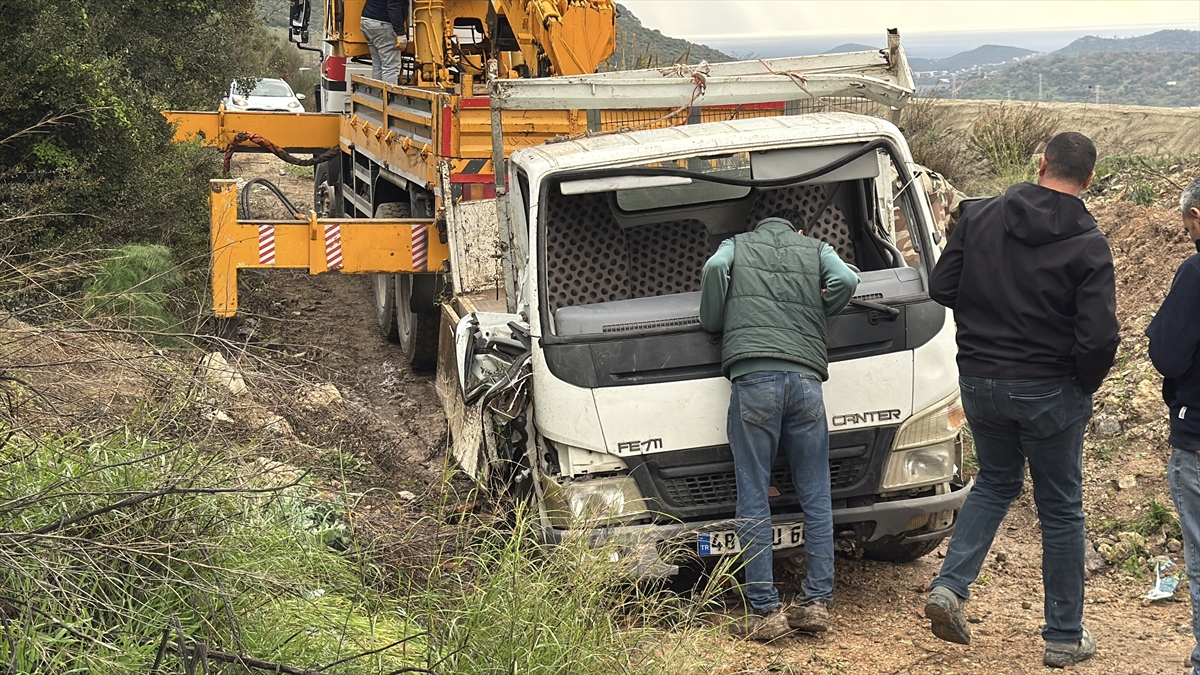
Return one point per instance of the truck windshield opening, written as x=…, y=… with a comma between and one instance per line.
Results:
x=629, y=261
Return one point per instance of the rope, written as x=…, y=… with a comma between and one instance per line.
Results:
x=275, y=150
x=797, y=78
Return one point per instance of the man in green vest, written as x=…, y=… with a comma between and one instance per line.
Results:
x=769, y=292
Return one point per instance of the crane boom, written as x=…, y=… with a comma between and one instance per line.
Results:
x=453, y=38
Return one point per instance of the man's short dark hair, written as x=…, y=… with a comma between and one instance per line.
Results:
x=1071, y=156
x=793, y=216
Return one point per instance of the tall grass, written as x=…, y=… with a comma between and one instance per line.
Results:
x=133, y=289
x=115, y=548
x=934, y=144
x=513, y=605
x=109, y=545
x=1007, y=136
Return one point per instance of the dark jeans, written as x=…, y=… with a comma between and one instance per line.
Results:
x=1041, y=421
x=1183, y=474
x=769, y=410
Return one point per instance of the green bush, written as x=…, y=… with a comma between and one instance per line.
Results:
x=1141, y=194
x=85, y=155
x=133, y=288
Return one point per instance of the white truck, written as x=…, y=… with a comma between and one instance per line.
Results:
x=541, y=242
x=587, y=387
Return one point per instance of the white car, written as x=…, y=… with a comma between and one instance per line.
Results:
x=266, y=94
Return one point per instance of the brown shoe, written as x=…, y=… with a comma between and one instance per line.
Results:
x=755, y=626
x=810, y=618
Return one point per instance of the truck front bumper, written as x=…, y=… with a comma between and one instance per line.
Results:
x=651, y=545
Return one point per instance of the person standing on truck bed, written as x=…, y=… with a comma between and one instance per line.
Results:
x=384, y=24
x=1175, y=350
x=769, y=292
x=1030, y=280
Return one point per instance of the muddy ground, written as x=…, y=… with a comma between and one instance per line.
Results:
x=325, y=326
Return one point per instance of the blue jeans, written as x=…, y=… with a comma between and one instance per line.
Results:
x=769, y=410
x=1041, y=421
x=1183, y=473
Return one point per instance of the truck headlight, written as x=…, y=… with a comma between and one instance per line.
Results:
x=594, y=502
x=925, y=451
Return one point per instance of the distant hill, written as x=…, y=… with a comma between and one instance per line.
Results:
x=1162, y=41
x=980, y=57
x=1135, y=78
x=852, y=47
x=641, y=47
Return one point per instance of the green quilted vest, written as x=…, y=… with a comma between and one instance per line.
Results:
x=773, y=307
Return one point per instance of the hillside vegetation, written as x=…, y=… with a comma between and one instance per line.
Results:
x=980, y=56
x=1162, y=41
x=642, y=47
x=1134, y=78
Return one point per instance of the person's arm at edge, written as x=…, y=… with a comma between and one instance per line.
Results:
x=1175, y=331
x=1097, y=331
x=714, y=284
x=838, y=279
x=943, y=282
x=398, y=16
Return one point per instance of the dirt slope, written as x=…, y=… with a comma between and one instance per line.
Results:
x=325, y=327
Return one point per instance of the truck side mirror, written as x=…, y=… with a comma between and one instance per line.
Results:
x=299, y=13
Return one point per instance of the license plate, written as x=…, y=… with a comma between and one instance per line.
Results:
x=725, y=542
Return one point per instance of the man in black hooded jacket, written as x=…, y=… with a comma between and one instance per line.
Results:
x=1030, y=280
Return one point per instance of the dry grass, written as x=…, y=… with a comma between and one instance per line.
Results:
x=934, y=144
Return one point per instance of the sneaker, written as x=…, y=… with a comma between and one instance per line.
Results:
x=945, y=610
x=755, y=626
x=1062, y=654
x=810, y=618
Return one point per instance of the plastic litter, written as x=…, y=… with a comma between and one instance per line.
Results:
x=1167, y=576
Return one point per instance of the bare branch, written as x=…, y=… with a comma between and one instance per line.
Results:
x=47, y=122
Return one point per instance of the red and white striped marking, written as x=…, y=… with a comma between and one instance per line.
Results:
x=420, y=246
x=266, y=244
x=333, y=246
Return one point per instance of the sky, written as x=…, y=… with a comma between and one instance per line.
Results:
x=930, y=28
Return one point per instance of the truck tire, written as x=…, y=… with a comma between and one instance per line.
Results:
x=417, y=321
x=326, y=201
x=896, y=552
x=383, y=295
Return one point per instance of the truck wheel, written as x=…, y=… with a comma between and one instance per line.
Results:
x=383, y=295
x=896, y=552
x=417, y=322
x=325, y=198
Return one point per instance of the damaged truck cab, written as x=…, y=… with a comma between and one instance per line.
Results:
x=602, y=397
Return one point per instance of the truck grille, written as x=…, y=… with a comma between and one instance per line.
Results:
x=721, y=488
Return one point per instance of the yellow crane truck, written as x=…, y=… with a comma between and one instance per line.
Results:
x=535, y=229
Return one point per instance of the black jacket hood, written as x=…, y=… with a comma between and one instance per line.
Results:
x=1036, y=216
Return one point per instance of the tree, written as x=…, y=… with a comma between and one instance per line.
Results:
x=80, y=131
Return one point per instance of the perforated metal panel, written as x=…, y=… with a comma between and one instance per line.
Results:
x=667, y=258
x=833, y=228
x=590, y=259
